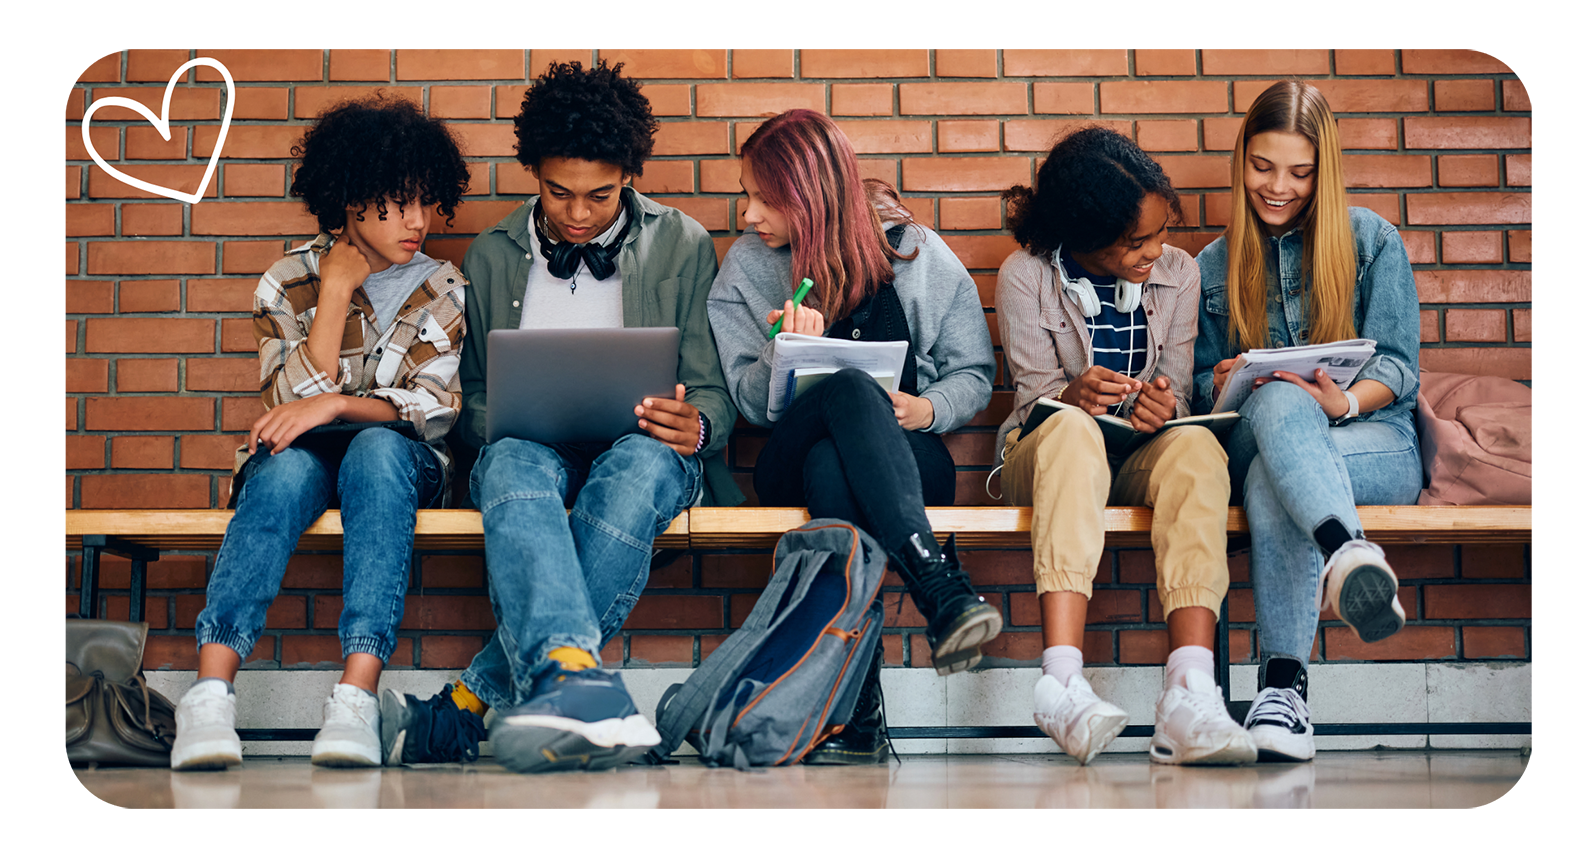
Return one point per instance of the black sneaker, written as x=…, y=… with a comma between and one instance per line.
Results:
x=428, y=731
x=959, y=621
x=578, y=719
x=864, y=740
x=1278, y=721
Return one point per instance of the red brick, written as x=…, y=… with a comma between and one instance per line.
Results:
x=966, y=63
x=678, y=139
x=1165, y=61
x=900, y=611
x=442, y=652
x=360, y=64
x=740, y=607
x=1239, y=604
x=981, y=250
x=1386, y=170
x=181, y=178
x=1365, y=61
x=1478, y=169
x=249, y=256
x=1040, y=134
x=146, y=491
x=1239, y=646
x=1467, y=133
x=484, y=139
x=1115, y=606
x=1511, y=363
x=143, y=142
x=1477, y=602
x=1135, y=566
x=130, y=257
x=310, y=649
x=448, y=613
x=1522, y=325
x=1023, y=62
x=671, y=62
x=238, y=413
x=1422, y=562
x=1385, y=204
x=249, y=142
x=87, y=375
x=662, y=176
x=223, y=374
x=149, y=335
x=762, y=63
x=149, y=413
x=474, y=217
x=661, y=649
x=968, y=214
x=415, y=64
x=106, y=141
x=670, y=100
x=1268, y=62
x=964, y=97
x=1515, y=98
x=1421, y=246
x=452, y=572
x=1462, y=208
x=894, y=650
x=1472, y=247
x=751, y=100
x=1466, y=95
x=90, y=219
x=89, y=296
x=541, y=58
x=473, y=101
x=85, y=452
x=965, y=174
x=1358, y=133
x=118, y=609
x=151, y=220
x=1061, y=98
x=1413, y=643
x=261, y=103
x=864, y=63
x=856, y=100
x=154, y=65
x=146, y=375
x=148, y=295
x=1193, y=171
x=1015, y=646
x=736, y=571
x=254, y=180
x=107, y=68
x=1144, y=647
x=187, y=103
x=1473, y=286
x=263, y=64
x=1426, y=61
x=313, y=572
x=1163, y=97
x=1519, y=246
x=1349, y=94
x=220, y=295
x=1483, y=642
x=170, y=653
x=1493, y=561
x=998, y=409
x=998, y=567
x=254, y=217
x=1217, y=209
x=141, y=452
x=676, y=611
x=208, y=451
x=169, y=572
x=1167, y=135
x=74, y=182
x=1516, y=167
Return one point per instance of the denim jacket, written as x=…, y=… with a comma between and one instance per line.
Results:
x=1386, y=309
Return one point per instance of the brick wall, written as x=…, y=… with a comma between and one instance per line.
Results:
x=160, y=361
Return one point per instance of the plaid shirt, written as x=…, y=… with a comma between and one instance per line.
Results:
x=413, y=364
x=1045, y=335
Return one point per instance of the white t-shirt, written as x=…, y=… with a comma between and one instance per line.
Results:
x=582, y=300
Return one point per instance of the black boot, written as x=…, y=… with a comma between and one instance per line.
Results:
x=865, y=739
x=959, y=621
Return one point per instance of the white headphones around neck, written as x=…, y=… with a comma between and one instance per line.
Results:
x=1128, y=294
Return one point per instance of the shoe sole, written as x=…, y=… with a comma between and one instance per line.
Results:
x=1235, y=752
x=213, y=760
x=394, y=727
x=1282, y=746
x=1365, y=603
x=835, y=757
x=534, y=745
x=345, y=755
x=961, y=649
x=1100, y=736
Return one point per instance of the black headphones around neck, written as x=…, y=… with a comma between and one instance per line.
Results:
x=563, y=257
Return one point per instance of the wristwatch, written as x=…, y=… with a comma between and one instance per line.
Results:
x=1353, y=408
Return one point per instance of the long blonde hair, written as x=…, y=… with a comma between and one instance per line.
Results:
x=1329, y=262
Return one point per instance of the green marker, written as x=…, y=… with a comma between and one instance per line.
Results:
x=800, y=295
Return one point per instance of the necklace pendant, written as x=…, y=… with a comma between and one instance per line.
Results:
x=571, y=288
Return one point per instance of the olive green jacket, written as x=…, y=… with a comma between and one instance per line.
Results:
x=666, y=268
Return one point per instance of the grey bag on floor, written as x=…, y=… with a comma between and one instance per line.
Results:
x=789, y=677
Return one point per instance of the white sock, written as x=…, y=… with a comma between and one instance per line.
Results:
x=1063, y=662
x=1188, y=658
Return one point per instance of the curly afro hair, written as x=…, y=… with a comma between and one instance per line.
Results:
x=593, y=114
x=364, y=151
x=1089, y=193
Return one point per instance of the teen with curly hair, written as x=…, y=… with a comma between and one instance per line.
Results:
x=357, y=325
x=1098, y=312
x=588, y=251
x=1298, y=266
x=846, y=448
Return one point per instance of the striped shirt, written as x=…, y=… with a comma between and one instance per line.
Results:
x=1119, y=339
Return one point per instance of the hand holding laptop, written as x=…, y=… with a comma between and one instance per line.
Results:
x=673, y=422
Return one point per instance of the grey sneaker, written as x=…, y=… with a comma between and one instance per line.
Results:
x=351, y=735
x=1360, y=586
x=207, y=736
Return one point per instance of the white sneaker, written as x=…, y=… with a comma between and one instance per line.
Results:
x=351, y=735
x=1278, y=722
x=1192, y=726
x=207, y=736
x=1081, y=723
x=1359, y=585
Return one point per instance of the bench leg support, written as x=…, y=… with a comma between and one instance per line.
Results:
x=88, y=589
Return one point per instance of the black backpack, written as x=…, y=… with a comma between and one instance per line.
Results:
x=789, y=677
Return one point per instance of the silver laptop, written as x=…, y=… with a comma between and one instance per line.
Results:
x=576, y=384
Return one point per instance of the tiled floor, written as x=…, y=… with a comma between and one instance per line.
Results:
x=1364, y=779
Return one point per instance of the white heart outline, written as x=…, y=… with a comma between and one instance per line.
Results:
x=162, y=125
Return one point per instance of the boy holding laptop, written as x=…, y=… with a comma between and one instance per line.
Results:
x=587, y=252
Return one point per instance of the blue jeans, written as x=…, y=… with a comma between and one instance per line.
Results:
x=380, y=481
x=567, y=579
x=1296, y=471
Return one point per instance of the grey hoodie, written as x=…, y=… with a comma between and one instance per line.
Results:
x=955, y=362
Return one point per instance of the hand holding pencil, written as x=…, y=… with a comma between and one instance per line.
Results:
x=795, y=317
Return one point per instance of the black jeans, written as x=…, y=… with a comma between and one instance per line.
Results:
x=840, y=452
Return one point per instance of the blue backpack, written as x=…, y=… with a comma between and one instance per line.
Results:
x=789, y=677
